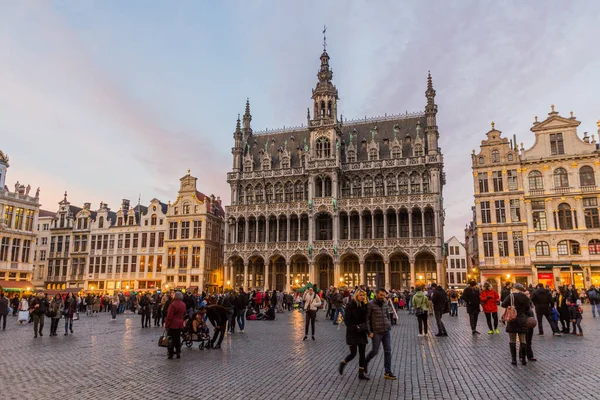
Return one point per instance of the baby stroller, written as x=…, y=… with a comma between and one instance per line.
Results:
x=188, y=337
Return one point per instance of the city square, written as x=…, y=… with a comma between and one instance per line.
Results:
x=120, y=360
x=168, y=159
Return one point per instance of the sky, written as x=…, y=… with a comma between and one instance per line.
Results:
x=110, y=99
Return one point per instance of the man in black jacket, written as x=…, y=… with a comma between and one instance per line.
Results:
x=472, y=300
x=38, y=307
x=439, y=300
x=505, y=292
x=379, y=326
x=241, y=303
x=542, y=300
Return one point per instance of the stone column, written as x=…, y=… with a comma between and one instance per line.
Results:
x=246, y=229
x=267, y=239
x=227, y=238
x=441, y=278
x=436, y=221
x=336, y=228
x=235, y=234
x=311, y=272
x=336, y=274
x=299, y=227
x=287, y=277
x=422, y=223
x=360, y=226
x=398, y=224
x=410, y=225
x=385, y=225
x=334, y=187
x=256, y=230
x=528, y=215
x=349, y=227
x=266, y=280
x=287, y=228
x=362, y=274
x=225, y=273
x=373, y=225
x=246, y=275
x=413, y=278
x=578, y=210
x=387, y=276
x=277, y=236
x=310, y=228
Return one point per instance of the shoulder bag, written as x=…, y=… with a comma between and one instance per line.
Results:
x=165, y=340
x=511, y=312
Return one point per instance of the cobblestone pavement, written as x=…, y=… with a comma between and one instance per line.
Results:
x=119, y=360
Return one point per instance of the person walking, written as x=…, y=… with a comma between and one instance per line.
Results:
x=337, y=304
x=453, y=294
x=379, y=326
x=575, y=313
x=489, y=301
x=69, y=310
x=563, y=309
x=54, y=313
x=174, y=324
x=114, y=307
x=3, y=310
x=38, y=306
x=312, y=302
x=439, y=299
x=421, y=309
x=241, y=303
x=144, y=310
x=594, y=298
x=14, y=303
x=473, y=302
x=543, y=303
x=356, y=333
x=518, y=326
x=23, y=310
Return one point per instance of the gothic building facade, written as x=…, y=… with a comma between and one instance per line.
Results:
x=336, y=202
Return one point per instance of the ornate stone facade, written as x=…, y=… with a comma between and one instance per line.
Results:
x=336, y=201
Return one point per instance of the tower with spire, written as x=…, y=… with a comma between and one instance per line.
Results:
x=431, y=112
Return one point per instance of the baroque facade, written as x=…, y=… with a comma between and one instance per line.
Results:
x=336, y=202
x=18, y=218
x=140, y=248
x=538, y=218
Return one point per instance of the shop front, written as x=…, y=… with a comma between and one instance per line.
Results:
x=16, y=287
x=499, y=278
x=572, y=275
x=595, y=276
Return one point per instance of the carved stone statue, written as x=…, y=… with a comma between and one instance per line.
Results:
x=37, y=193
x=27, y=190
x=17, y=187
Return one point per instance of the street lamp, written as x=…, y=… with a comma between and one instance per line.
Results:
x=92, y=288
x=296, y=281
x=228, y=283
x=166, y=286
x=127, y=287
x=28, y=288
x=507, y=276
x=341, y=279
x=420, y=277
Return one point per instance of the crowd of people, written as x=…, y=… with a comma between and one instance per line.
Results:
x=366, y=314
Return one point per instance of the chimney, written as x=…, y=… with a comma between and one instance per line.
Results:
x=515, y=142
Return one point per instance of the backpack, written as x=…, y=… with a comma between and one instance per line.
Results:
x=592, y=294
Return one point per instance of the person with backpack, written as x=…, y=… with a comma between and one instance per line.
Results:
x=594, y=299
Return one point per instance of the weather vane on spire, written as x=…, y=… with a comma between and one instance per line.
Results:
x=324, y=38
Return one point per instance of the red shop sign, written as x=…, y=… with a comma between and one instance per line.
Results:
x=545, y=275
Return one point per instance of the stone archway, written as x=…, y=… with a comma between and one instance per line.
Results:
x=350, y=266
x=375, y=271
x=237, y=278
x=400, y=271
x=425, y=268
x=277, y=272
x=256, y=273
x=324, y=265
x=299, y=271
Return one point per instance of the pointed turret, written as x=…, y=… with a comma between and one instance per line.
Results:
x=247, y=120
x=238, y=137
x=431, y=112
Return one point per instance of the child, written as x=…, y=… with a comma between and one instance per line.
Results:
x=575, y=313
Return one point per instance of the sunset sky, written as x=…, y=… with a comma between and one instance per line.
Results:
x=117, y=99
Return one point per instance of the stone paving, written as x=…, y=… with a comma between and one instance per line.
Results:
x=119, y=360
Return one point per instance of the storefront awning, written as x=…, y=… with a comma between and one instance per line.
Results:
x=62, y=291
x=16, y=285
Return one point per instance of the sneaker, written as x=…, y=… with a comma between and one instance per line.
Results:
x=491, y=332
x=305, y=337
x=496, y=331
x=557, y=334
x=341, y=367
x=242, y=331
x=476, y=333
x=420, y=335
x=390, y=376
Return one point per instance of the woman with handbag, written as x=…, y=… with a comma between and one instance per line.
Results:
x=356, y=332
x=174, y=324
x=54, y=313
x=420, y=304
x=70, y=310
x=517, y=309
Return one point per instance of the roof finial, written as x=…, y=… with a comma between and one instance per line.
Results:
x=429, y=81
x=65, y=195
x=572, y=116
x=247, y=106
x=324, y=37
x=493, y=125
x=188, y=171
x=536, y=119
x=552, y=106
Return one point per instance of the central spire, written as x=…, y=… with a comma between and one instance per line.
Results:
x=325, y=94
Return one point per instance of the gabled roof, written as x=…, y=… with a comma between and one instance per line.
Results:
x=555, y=121
x=46, y=213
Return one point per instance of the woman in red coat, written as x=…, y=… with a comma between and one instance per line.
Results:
x=174, y=324
x=489, y=300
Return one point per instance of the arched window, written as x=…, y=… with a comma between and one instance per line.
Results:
x=289, y=191
x=269, y=193
x=510, y=157
x=542, y=249
x=120, y=221
x=535, y=180
x=561, y=178
x=373, y=154
x=418, y=150
x=279, y=192
x=415, y=183
x=481, y=160
x=495, y=156
x=153, y=220
x=379, y=186
x=329, y=108
x=396, y=152
x=565, y=216
x=594, y=247
x=390, y=183
x=425, y=182
x=323, y=148
x=568, y=248
x=322, y=109
x=248, y=165
x=258, y=194
x=101, y=222
x=298, y=191
x=356, y=187
x=586, y=176
x=351, y=157
x=346, y=184
x=368, y=186
x=285, y=163
x=249, y=195
x=266, y=164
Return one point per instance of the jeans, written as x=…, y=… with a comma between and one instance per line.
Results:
x=241, y=319
x=231, y=319
x=488, y=318
x=577, y=324
x=410, y=307
x=595, y=306
x=311, y=316
x=438, y=320
x=361, y=354
x=453, y=309
x=54, y=325
x=3, y=319
x=68, y=323
x=38, y=320
x=545, y=313
x=338, y=310
x=386, y=338
x=422, y=320
x=473, y=321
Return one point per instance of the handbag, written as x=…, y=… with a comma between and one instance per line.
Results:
x=531, y=323
x=419, y=311
x=362, y=328
x=511, y=312
x=165, y=340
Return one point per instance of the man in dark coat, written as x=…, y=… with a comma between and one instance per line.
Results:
x=542, y=300
x=38, y=306
x=505, y=292
x=217, y=316
x=439, y=300
x=472, y=300
x=379, y=326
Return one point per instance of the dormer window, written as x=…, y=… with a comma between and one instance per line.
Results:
x=418, y=150
x=495, y=156
x=396, y=152
x=130, y=220
x=285, y=163
x=248, y=165
x=266, y=164
x=351, y=157
x=510, y=157
x=481, y=161
x=101, y=222
x=373, y=154
x=556, y=144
